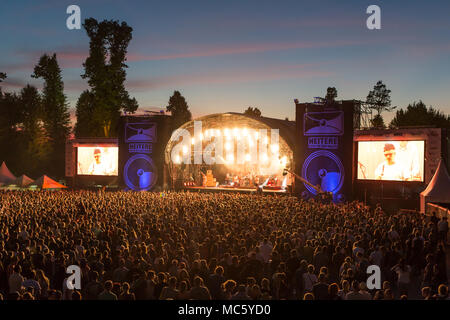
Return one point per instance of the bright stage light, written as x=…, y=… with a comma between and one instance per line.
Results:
x=284, y=161
x=265, y=158
x=235, y=132
x=227, y=146
x=193, y=140
x=185, y=149
x=250, y=142
x=256, y=135
x=248, y=157
x=274, y=148
x=177, y=159
x=230, y=158
x=244, y=131
x=266, y=140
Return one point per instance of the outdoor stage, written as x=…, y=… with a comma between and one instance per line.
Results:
x=236, y=190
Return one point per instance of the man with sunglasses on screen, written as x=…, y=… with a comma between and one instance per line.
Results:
x=389, y=169
x=98, y=166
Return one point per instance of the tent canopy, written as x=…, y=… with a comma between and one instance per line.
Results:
x=45, y=182
x=438, y=190
x=5, y=175
x=22, y=181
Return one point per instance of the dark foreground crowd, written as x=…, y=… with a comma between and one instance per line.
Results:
x=214, y=246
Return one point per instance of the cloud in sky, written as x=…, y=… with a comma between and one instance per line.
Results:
x=210, y=51
x=74, y=56
x=228, y=76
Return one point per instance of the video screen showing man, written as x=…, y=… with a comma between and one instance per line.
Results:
x=391, y=160
x=389, y=169
x=97, y=161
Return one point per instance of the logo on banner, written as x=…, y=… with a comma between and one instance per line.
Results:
x=140, y=136
x=140, y=148
x=328, y=123
x=140, y=132
x=323, y=142
x=139, y=171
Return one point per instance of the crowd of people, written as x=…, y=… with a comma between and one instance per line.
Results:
x=179, y=245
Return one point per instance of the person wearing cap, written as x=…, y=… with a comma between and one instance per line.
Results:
x=389, y=169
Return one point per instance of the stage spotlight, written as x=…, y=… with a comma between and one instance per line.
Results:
x=274, y=148
x=227, y=146
x=185, y=149
x=230, y=158
x=265, y=158
x=193, y=140
x=248, y=157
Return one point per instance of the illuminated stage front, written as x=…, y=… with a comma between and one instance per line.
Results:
x=230, y=151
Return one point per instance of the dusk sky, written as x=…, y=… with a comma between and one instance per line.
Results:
x=228, y=55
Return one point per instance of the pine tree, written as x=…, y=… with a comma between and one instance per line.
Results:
x=379, y=98
x=34, y=143
x=417, y=114
x=56, y=116
x=179, y=109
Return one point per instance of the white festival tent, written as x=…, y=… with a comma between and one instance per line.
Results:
x=6, y=177
x=23, y=181
x=438, y=190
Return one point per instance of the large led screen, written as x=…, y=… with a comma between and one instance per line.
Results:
x=391, y=160
x=97, y=161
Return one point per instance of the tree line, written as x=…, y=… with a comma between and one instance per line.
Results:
x=34, y=125
x=415, y=114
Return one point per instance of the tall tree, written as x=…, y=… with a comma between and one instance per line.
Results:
x=10, y=119
x=417, y=114
x=34, y=142
x=179, y=109
x=105, y=71
x=378, y=122
x=379, y=98
x=55, y=111
x=86, y=126
x=253, y=112
x=331, y=95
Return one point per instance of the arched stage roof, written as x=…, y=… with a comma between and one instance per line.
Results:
x=233, y=119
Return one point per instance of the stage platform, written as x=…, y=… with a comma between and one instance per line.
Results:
x=238, y=190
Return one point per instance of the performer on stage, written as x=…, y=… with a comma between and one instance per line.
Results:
x=389, y=169
x=99, y=166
